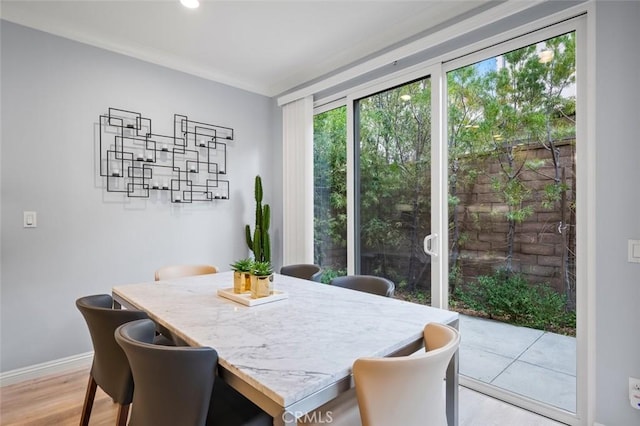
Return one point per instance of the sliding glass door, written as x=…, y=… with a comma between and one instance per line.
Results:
x=393, y=186
x=511, y=137
x=475, y=160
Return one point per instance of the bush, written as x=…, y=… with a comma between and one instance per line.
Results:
x=506, y=295
x=328, y=274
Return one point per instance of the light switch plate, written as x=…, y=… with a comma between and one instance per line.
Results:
x=634, y=251
x=30, y=219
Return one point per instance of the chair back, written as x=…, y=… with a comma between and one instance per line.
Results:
x=178, y=271
x=367, y=283
x=306, y=271
x=110, y=368
x=407, y=390
x=182, y=393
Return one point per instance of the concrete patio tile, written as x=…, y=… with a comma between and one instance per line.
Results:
x=553, y=351
x=496, y=337
x=478, y=410
x=480, y=364
x=552, y=387
x=532, y=363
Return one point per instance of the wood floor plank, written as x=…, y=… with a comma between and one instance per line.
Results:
x=53, y=400
x=57, y=400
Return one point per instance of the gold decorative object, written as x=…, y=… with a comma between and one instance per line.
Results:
x=242, y=275
x=261, y=286
x=241, y=282
x=261, y=279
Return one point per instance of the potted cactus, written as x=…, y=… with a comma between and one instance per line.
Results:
x=261, y=279
x=260, y=244
x=242, y=275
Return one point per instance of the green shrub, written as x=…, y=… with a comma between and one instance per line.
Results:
x=328, y=274
x=509, y=296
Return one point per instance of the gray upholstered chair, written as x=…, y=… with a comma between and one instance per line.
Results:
x=110, y=369
x=407, y=390
x=178, y=271
x=306, y=271
x=367, y=283
x=187, y=393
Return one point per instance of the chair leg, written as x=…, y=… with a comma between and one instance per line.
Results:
x=88, y=401
x=123, y=414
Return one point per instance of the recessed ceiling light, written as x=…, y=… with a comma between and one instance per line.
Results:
x=191, y=4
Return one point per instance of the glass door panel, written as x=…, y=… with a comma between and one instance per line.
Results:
x=330, y=191
x=512, y=216
x=393, y=189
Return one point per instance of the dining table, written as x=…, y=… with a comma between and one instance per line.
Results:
x=293, y=353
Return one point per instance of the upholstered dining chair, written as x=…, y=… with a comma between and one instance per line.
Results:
x=178, y=271
x=367, y=283
x=407, y=390
x=188, y=393
x=396, y=390
x=306, y=271
x=110, y=369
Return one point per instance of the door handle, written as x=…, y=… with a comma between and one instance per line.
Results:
x=428, y=245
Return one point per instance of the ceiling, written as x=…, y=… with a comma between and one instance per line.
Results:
x=267, y=47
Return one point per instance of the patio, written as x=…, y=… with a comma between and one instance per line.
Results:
x=529, y=362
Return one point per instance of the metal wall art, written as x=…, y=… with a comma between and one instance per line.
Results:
x=188, y=165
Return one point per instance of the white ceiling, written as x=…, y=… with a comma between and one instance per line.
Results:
x=263, y=46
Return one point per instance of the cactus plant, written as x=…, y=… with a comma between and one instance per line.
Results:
x=260, y=244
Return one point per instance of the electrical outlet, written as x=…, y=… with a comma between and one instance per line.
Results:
x=634, y=392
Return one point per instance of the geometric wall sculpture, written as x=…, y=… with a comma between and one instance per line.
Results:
x=189, y=165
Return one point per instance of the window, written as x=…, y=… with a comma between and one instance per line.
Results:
x=330, y=191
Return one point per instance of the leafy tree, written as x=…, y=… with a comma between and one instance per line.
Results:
x=330, y=191
x=464, y=119
x=558, y=110
x=520, y=102
x=510, y=114
x=395, y=138
x=494, y=113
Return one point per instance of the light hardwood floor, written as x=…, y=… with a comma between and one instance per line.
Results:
x=58, y=399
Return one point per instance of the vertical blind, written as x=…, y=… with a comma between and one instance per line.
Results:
x=297, y=176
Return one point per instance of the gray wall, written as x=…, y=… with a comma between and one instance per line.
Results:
x=53, y=91
x=617, y=159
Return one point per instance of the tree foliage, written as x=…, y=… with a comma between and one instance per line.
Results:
x=330, y=188
x=394, y=135
x=495, y=109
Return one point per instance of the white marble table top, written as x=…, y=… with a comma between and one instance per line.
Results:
x=287, y=349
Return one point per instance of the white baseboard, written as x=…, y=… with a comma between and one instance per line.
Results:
x=46, y=368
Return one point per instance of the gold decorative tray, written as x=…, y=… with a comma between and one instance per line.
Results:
x=245, y=298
